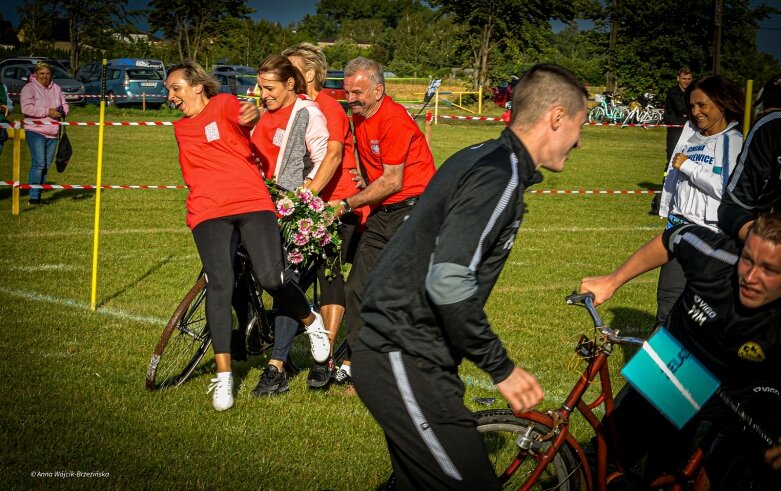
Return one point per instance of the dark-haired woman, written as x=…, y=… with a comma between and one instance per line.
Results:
x=699, y=169
x=227, y=198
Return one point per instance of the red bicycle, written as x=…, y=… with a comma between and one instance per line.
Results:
x=535, y=450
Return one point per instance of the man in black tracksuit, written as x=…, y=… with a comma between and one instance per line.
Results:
x=755, y=184
x=423, y=307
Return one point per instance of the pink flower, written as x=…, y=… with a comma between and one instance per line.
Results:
x=319, y=232
x=304, y=195
x=300, y=239
x=305, y=225
x=295, y=257
x=325, y=240
x=285, y=207
x=317, y=204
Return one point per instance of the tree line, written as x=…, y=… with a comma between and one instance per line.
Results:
x=632, y=44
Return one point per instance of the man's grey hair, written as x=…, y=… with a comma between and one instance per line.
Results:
x=374, y=69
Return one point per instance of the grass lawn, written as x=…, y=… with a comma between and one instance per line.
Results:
x=74, y=379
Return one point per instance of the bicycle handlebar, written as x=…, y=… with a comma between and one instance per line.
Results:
x=587, y=300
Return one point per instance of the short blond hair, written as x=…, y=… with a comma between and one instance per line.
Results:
x=314, y=59
x=542, y=87
x=41, y=65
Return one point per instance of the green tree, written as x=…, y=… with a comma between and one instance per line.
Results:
x=489, y=24
x=423, y=44
x=91, y=22
x=35, y=23
x=189, y=23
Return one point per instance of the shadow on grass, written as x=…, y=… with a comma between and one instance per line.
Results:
x=135, y=282
x=651, y=186
x=58, y=195
x=632, y=322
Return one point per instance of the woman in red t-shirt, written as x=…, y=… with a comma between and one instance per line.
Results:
x=227, y=200
x=290, y=141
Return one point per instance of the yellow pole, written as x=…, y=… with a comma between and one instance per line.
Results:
x=480, y=100
x=96, y=231
x=747, y=111
x=436, y=106
x=17, y=166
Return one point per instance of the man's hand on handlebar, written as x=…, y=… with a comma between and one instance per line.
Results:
x=601, y=286
x=521, y=390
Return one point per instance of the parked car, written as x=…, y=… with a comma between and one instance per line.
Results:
x=128, y=81
x=16, y=76
x=235, y=83
x=334, y=86
x=243, y=69
x=30, y=60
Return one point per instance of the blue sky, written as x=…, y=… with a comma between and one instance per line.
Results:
x=287, y=11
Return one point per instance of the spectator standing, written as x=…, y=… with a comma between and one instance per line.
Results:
x=6, y=106
x=290, y=141
x=676, y=112
x=398, y=164
x=41, y=99
x=424, y=303
x=335, y=180
x=755, y=185
x=705, y=156
x=227, y=198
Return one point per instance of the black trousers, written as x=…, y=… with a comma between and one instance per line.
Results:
x=431, y=436
x=380, y=228
x=672, y=281
x=216, y=243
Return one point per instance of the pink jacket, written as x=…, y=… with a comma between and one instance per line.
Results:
x=35, y=101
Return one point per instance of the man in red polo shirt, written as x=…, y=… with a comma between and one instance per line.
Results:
x=398, y=166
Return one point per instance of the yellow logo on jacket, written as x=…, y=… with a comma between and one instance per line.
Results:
x=751, y=351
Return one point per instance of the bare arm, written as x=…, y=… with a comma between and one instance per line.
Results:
x=248, y=113
x=389, y=182
x=652, y=255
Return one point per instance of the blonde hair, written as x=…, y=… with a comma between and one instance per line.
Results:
x=41, y=65
x=314, y=60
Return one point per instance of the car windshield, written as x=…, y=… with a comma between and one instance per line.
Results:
x=246, y=79
x=58, y=72
x=143, y=74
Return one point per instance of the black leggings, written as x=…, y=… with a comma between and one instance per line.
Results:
x=215, y=240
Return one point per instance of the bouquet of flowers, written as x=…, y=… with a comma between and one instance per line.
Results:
x=309, y=227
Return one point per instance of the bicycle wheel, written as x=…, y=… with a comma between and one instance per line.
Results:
x=500, y=431
x=596, y=115
x=183, y=343
x=656, y=116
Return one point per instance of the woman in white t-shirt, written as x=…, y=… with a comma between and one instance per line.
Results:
x=699, y=169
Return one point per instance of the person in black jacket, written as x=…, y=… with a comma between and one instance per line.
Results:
x=755, y=185
x=676, y=112
x=423, y=308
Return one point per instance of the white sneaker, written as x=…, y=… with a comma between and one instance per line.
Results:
x=318, y=339
x=222, y=398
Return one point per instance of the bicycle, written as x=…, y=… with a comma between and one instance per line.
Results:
x=535, y=450
x=608, y=111
x=186, y=337
x=643, y=112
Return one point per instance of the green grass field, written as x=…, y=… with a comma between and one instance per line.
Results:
x=73, y=380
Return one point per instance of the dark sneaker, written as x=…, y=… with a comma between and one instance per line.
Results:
x=320, y=374
x=342, y=378
x=272, y=382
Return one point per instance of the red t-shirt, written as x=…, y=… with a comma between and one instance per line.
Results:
x=267, y=138
x=341, y=184
x=217, y=164
x=391, y=137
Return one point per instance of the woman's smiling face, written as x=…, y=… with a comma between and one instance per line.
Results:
x=276, y=94
x=709, y=116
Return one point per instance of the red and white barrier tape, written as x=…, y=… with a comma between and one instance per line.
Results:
x=16, y=184
x=644, y=125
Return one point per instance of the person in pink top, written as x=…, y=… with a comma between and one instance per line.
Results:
x=41, y=100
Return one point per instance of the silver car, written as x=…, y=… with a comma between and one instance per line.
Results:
x=16, y=76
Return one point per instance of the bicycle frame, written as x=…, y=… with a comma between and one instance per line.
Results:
x=596, y=353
